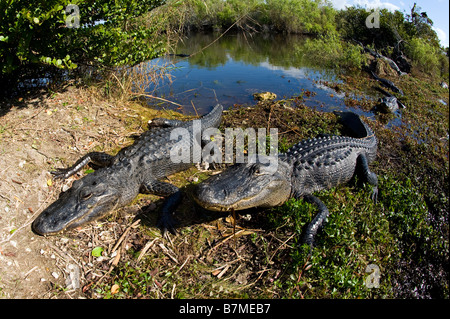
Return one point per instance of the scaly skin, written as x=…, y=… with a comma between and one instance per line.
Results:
x=309, y=166
x=136, y=169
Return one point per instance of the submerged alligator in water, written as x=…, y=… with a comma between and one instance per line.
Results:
x=309, y=166
x=136, y=169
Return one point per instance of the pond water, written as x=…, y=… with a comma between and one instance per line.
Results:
x=229, y=69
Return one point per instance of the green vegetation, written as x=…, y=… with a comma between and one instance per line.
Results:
x=427, y=57
x=292, y=16
x=331, y=52
x=385, y=234
x=299, y=16
x=333, y=31
x=36, y=37
x=398, y=33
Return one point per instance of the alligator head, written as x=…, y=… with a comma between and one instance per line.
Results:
x=246, y=185
x=88, y=199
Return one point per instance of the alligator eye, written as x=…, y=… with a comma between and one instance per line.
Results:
x=85, y=195
x=264, y=169
x=260, y=170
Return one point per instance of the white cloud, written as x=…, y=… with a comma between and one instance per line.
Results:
x=369, y=4
x=291, y=71
x=340, y=4
x=372, y=4
x=442, y=36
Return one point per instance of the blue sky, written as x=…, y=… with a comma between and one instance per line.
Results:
x=437, y=10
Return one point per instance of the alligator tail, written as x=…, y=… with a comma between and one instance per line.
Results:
x=213, y=118
x=354, y=123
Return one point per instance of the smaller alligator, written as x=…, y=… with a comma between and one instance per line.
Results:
x=387, y=83
x=309, y=166
x=393, y=65
x=388, y=103
x=391, y=62
x=377, y=55
x=136, y=169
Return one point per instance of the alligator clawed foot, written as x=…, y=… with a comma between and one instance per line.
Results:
x=374, y=195
x=167, y=223
x=59, y=174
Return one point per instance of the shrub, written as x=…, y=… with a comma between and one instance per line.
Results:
x=300, y=16
x=424, y=55
x=332, y=52
x=36, y=34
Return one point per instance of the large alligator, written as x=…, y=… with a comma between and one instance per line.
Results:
x=136, y=169
x=309, y=166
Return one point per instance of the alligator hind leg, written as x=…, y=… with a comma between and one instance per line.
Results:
x=363, y=170
x=97, y=158
x=162, y=122
x=166, y=221
x=318, y=221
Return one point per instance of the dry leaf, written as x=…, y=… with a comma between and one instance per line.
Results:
x=230, y=219
x=115, y=289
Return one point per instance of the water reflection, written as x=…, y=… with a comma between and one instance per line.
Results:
x=231, y=68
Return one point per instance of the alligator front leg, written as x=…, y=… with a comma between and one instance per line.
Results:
x=363, y=170
x=98, y=158
x=318, y=221
x=166, y=221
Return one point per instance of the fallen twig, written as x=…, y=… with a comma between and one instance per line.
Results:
x=125, y=233
x=157, y=98
x=168, y=252
x=146, y=248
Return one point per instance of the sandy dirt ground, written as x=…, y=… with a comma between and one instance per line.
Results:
x=38, y=134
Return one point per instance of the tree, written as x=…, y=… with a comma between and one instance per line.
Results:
x=421, y=25
x=43, y=35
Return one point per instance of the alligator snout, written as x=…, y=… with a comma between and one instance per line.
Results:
x=45, y=224
x=211, y=198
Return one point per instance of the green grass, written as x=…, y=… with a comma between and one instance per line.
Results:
x=358, y=233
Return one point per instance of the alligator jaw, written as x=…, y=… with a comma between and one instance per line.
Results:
x=49, y=222
x=244, y=186
x=53, y=222
x=88, y=199
x=221, y=207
